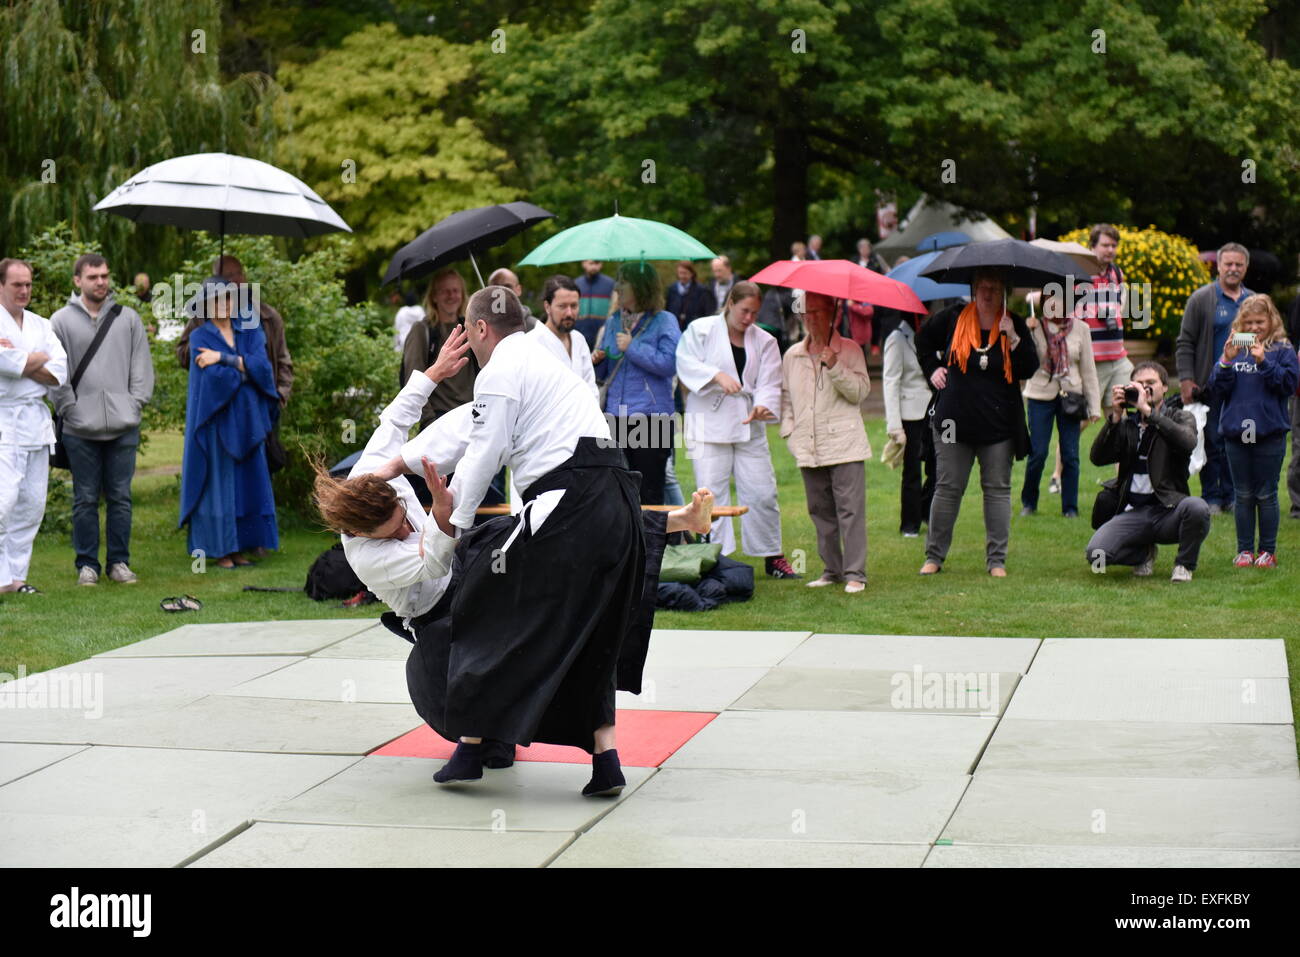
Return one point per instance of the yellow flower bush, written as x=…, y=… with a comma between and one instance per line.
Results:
x=1168, y=262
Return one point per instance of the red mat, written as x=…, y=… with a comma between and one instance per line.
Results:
x=645, y=740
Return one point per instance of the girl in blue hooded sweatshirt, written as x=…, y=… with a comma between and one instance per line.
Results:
x=1254, y=378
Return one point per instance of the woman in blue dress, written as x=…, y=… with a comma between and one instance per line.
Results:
x=226, y=496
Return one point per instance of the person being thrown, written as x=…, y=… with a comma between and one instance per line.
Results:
x=553, y=678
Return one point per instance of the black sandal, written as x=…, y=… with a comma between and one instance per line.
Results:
x=183, y=603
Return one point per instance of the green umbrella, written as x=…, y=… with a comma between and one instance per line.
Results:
x=617, y=238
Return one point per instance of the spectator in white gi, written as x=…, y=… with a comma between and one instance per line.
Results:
x=32, y=364
x=731, y=370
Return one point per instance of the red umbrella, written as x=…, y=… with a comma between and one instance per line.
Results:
x=841, y=279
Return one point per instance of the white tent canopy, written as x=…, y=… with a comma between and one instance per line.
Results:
x=931, y=216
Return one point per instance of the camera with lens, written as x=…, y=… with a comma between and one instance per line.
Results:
x=1131, y=396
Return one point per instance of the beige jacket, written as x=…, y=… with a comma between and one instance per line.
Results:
x=821, y=415
x=1082, y=375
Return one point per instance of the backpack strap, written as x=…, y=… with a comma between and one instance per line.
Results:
x=94, y=346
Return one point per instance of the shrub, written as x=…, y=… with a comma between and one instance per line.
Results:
x=345, y=369
x=1168, y=262
x=52, y=255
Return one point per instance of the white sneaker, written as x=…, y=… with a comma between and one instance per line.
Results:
x=87, y=576
x=1180, y=574
x=1148, y=565
x=821, y=582
x=120, y=573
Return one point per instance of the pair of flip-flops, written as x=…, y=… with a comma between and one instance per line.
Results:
x=180, y=603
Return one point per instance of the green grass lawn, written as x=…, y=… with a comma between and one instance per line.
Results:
x=1049, y=592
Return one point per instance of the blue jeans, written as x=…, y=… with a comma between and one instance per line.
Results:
x=1256, y=470
x=1041, y=416
x=102, y=467
x=1216, y=477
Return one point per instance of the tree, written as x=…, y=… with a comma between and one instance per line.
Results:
x=380, y=127
x=751, y=108
x=95, y=91
x=710, y=115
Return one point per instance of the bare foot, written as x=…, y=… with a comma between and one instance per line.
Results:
x=698, y=516
x=998, y=572
x=931, y=568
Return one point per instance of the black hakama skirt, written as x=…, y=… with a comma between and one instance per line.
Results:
x=530, y=642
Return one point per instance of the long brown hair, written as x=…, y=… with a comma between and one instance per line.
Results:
x=359, y=504
x=431, y=305
x=644, y=282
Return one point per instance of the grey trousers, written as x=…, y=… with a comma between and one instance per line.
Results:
x=1293, y=470
x=953, y=461
x=1124, y=540
x=837, y=503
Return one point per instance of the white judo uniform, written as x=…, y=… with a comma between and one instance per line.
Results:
x=26, y=438
x=719, y=446
x=394, y=570
x=577, y=357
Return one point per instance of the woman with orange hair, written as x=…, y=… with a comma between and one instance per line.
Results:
x=975, y=356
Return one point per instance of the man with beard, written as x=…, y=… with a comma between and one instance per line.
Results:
x=467, y=678
x=560, y=304
x=100, y=412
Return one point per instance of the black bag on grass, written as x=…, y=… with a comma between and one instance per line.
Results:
x=332, y=577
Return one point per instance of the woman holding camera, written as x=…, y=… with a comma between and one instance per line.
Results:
x=1254, y=378
x=1064, y=386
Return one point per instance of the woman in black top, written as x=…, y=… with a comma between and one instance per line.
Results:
x=975, y=357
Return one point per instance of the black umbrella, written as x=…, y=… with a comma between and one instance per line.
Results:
x=460, y=236
x=1023, y=265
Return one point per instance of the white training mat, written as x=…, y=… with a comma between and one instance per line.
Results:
x=323, y=845
x=244, y=638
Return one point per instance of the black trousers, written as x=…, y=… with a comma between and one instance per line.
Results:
x=646, y=441
x=916, y=496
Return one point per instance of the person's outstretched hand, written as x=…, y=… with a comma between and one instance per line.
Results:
x=451, y=357
x=442, y=498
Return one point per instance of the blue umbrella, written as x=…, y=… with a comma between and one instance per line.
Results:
x=936, y=241
x=926, y=289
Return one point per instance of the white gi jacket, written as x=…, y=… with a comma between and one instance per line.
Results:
x=528, y=413
x=24, y=419
x=394, y=570
x=703, y=351
x=580, y=359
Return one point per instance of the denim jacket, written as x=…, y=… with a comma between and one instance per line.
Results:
x=643, y=382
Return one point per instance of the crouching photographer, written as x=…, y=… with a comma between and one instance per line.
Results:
x=1152, y=439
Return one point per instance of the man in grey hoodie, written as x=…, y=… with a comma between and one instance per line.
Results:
x=101, y=418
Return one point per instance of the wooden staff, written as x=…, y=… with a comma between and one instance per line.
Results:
x=719, y=511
